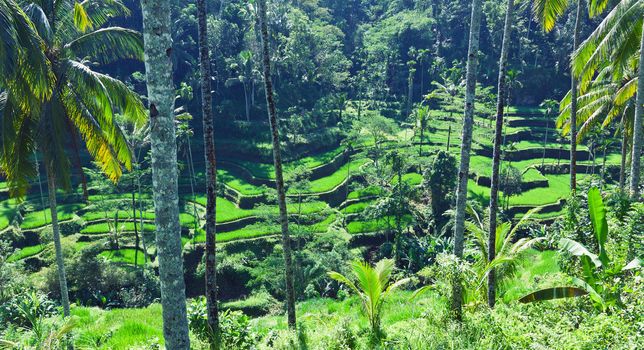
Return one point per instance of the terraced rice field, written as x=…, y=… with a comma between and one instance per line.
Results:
x=252, y=181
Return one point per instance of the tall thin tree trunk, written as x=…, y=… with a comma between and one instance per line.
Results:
x=410, y=90
x=496, y=157
x=158, y=65
x=60, y=261
x=622, y=167
x=545, y=142
x=603, y=170
x=573, y=105
x=636, y=153
x=466, y=147
x=211, y=170
x=277, y=158
x=143, y=243
x=134, y=220
x=593, y=153
x=193, y=183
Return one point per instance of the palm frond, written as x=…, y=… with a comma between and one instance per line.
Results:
x=107, y=45
x=546, y=12
x=81, y=19
x=24, y=68
x=616, y=39
x=101, y=11
x=18, y=144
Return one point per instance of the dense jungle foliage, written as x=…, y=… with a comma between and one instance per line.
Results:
x=321, y=174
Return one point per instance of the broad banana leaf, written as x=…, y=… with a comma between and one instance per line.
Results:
x=598, y=219
x=553, y=293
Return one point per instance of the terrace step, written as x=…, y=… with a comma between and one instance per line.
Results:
x=533, y=153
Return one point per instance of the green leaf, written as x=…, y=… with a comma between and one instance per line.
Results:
x=577, y=249
x=81, y=19
x=546, y=12
x=634, y=264
x=553, y=293
x=598, y=219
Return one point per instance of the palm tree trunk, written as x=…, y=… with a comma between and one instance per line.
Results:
x=211, y=170
x=496, y=157
x=636, y=154
x=573, y=105
x=193, y=183
x=277, y=159
x=545, y=142
x=138, y=185
x=158, y=64
x=622, y=167
x=466, y=147
x=410, y=90
x=603, y=171
x=134, y=220
x=60, y=261
x=449, y=136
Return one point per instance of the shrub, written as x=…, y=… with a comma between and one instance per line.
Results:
x=234, y=327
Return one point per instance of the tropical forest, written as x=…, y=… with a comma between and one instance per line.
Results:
x=321, y=174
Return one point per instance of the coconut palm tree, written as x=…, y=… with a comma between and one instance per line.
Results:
x=373, y=286
x=507, y=251
x=551, y=106
x=617, y=42
x=547, y=12
x=607, y=99
x=277, y=160
x=211, y=169
x=466, y=148
x=82, y=101
x=422, y=119
x=496, y=154
x=158, y=65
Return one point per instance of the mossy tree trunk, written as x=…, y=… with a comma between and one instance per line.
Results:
x=277, y=160
x=158, y=65
x=211, y=169
x=573, y=105
x=60, y=260
x=466, y=147
x=636, y=153
x=496, y=155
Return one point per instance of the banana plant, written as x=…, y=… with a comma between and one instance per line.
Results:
x=597, y=269
x=373, y=285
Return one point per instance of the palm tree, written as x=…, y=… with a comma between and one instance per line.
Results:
x=496, y=155
x=422, y=118
x=616, y=41
x=466, y=148
x=507, y=251
x=551, y=106
x=277, y=160
x=610, y=55
x=158, y=66
x=137, y=138
x=373, y=286
x=211, y=169
x=81, y=101
x=451, y=89
x=607, y=99
x=547, y=12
